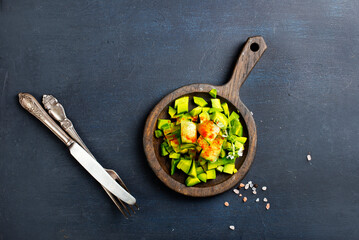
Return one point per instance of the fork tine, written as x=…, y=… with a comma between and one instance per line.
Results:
x=116, y=203
x=119, y=180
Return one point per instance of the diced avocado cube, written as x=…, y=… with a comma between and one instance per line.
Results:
x=171, y=111
x=171, y=129
x=202, y=142
x=211, y=174
x=192, y=172
x=183, y=117
x=223, y=153
x=158, y=133
x=235, y=170
x=162, y=122
x=185, y=165
x=191, y=181
x=205, y=109
x=212, y=165
x=211, y=153
x=225, y=109
x=216, y=103
x=203, y=117
x=188, y=146
x=188, y=132
x=228, y=168
x=242, y=140
x=174, y=163
x=202, y=177
x=181, y=105
x=195, y=111
x=213, y=92
x=202, y=161
x=233, y=115
x=175, y=144
x=227, y=146
x=163, y=150
x=184, y=151
x=224, y=161
x=199, y=170
x=200, y=101
x=213, y=110
x=220, y=168
x=208, y=130
x=220, y=119
x=174, y=155
x=236, y=128
x=238, y=145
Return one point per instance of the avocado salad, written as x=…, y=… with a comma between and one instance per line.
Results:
x=201, y=141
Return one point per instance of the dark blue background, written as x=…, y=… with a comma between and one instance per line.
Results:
x=110, y=62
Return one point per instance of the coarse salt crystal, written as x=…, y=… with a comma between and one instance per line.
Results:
x=254, y=192
x=265, y=200
x=254, y=188
x=264, y=188
x=267, y=206
x=241, y=185
x=251, y=185
x=245, y=199
x=252, y=113
x=232, y=227
x=246, y=186
x=250, y=182
x=257, y=200
x=309, y=158
x=226, y=204
x=236, y=191
x=240, y=195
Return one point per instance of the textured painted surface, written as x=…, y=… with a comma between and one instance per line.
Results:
x=110, y=62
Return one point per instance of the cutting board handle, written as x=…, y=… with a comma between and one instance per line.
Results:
x=252, y=51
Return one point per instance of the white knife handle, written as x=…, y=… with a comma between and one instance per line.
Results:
x=28, y=102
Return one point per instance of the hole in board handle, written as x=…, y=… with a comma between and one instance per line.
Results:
x=254, y=47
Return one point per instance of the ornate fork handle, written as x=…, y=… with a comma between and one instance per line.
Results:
x=57, y=111
x=28, y=102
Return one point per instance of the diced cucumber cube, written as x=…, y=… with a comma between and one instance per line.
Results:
x=213, y=92
x=195, y=111
x=220, y=168
x=191, y=181
x=211, y=174
x=216, y=103
x=202, y=177
x=225, y=109
x=229, y=168
x=200, y=101
x=162, y=122
x=174, y=163
x=158, y=133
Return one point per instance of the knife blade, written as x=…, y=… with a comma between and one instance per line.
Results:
x=29, y=103
x=99, y=173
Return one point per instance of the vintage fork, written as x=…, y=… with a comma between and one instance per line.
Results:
x=57, y=111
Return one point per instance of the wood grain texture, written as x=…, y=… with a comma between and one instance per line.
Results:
x=249, y=56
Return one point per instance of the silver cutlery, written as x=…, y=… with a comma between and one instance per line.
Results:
x=29, y=103
x=57, y=112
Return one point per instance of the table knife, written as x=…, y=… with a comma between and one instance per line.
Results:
x=28, y=102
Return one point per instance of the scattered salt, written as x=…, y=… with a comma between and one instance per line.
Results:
x=267, y=206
